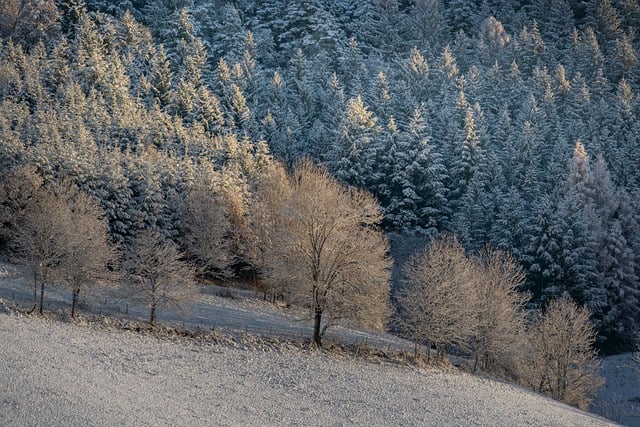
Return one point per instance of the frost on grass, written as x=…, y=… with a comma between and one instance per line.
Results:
x=81, y=373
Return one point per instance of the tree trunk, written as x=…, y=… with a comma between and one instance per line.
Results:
x=317, y=337
x=152, y=316
x=35, y=286
x=41, y=296
x=74, y=301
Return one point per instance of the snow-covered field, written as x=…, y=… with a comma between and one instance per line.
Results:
x=56, y=373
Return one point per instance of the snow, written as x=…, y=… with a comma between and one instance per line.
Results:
x=62, y=373
x=619, y=398
x=75, y=374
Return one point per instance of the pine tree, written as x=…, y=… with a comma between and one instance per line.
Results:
x=353, y=155
x=414, y=193
x=618, y=316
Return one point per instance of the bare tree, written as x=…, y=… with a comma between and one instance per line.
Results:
x=207, y=231
x=321, y=241
x=89, y=257
x=157, y=273
x=500, y=335
x=563, y=363
x=264, y=224
x=58, y=231
x=438, y=304
x=40, y=236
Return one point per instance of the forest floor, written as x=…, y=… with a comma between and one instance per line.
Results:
x=256, y=370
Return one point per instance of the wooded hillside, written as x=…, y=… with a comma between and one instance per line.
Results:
x=510, y=123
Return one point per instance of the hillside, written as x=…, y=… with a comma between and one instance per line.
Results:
x=75, y=375
x=513, y=124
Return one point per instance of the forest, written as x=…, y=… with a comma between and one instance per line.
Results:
x=512, y=124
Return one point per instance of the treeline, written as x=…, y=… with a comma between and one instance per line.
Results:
x=507, y=123
x=318, y=244
x=513, y=124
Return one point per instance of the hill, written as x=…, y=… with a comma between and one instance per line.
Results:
x=65, y=374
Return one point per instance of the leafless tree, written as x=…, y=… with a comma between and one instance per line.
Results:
x=40, y=237
x=207, y=231
x=89, y=257
x=157, y=273
x=264, y=224
x=563, y=363
x=438, y=304
x=321, y=242
x=58, y=231
x=500, y=336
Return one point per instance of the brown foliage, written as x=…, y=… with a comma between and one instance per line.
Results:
x=471, y=303
x=58, y=231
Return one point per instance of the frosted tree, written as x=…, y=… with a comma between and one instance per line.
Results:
x=474, y=213
x=321, y=242
x=626, y=59
x=428, y=20
x=281, y=125
x=415, y=72
x=462, y=15
x=382, y=26
x=89, y=258
x=616, y=274
x=501, y=315
x=160, y=78
x=438, y=301
x=223, y=32
x=29, y=21
x=353, y=155
x=563, y=363
x=468, y=157
x=508, y=229
x=18, y=186
x=208, y=111
x=541, y=255
x=417, y=196
x=157, y=275
x=492, y=38
x=588, y=55
x=207, y=231
x=555, y=19
x=149, y=207
x=40, y=236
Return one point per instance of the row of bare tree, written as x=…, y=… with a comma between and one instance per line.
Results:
x=60, y=234
x=317, y=243
x=311, y=239
x=473, y=304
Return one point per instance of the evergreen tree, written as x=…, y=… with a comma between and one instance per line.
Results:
x=353, y=155
x=618, y=315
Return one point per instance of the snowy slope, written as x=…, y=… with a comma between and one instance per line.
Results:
x=619, y=398
x=56, y=373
